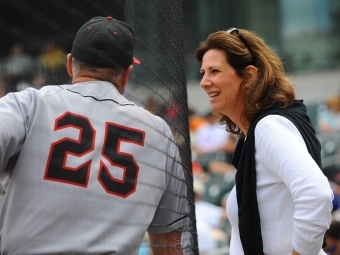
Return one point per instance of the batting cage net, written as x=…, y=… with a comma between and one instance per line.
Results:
x=36, y=35
x=159, y=83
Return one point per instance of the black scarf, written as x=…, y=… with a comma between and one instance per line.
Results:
x=244, y=162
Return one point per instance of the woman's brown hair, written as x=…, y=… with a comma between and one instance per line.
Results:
x=269, y=86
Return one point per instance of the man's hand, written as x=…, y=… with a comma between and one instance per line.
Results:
x=295, y=253
x=166, y=244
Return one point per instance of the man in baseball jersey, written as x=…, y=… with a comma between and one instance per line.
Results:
x=85, y=170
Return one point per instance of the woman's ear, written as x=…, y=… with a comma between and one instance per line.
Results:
x=251, y=72
x=250, y=75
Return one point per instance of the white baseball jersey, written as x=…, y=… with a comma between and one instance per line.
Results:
x=93, y=172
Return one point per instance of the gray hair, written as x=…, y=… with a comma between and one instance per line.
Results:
x=103, y=73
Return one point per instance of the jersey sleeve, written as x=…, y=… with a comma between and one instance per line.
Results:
x=172, y=209
x=14, y=123
x=279, y=141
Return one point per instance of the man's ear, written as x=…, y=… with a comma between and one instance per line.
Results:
x=128, y=72
x=125, y=78
x=69, y=65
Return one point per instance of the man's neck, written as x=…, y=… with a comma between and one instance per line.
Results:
x=83, y=79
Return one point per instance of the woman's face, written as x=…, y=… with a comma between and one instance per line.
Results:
x=222, y=84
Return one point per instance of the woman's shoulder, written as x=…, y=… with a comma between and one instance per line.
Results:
x=274, y=125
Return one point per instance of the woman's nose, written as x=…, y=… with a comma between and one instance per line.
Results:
x=204, y=82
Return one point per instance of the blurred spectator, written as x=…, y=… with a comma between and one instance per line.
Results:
x=152, y=105
x=221, y=163
x=195, y=120
x=328, y=125
x=18, y=66
x=209, y=219
x=22, y=85
x=333, y=239
x=155, y=106
x=39, y=80
x=217, y=185
x=329, y=119
x=212, y=142
x=173, y=109
x=212, y=149
x=53, y=59
x=210, y=137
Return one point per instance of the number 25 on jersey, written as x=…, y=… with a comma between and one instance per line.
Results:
x=57, y=170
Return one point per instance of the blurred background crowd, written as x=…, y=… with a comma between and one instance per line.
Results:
x=20, y=70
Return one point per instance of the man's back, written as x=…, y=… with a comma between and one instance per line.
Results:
x=90, y=173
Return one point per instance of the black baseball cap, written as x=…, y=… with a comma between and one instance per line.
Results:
x=105, y=42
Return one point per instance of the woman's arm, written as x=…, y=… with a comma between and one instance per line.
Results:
x=288, y=158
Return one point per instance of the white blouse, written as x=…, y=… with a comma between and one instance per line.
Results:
x=294, y=196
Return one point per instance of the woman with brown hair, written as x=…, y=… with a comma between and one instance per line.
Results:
x=281, y=203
